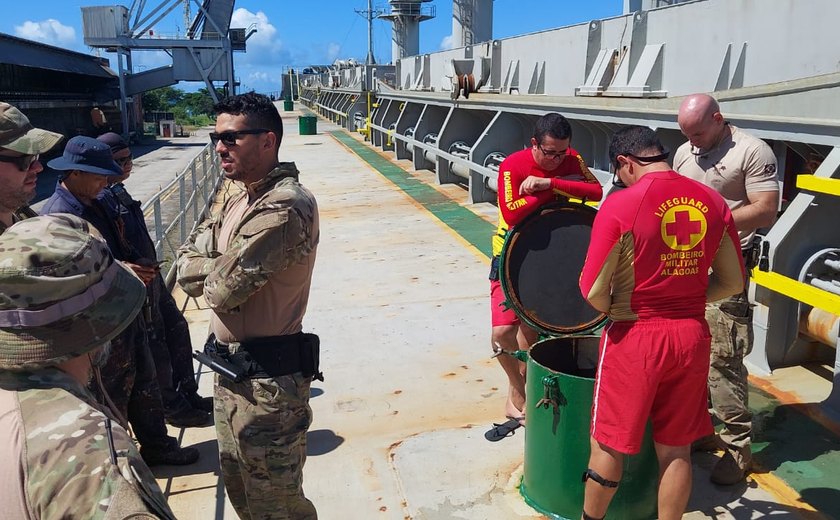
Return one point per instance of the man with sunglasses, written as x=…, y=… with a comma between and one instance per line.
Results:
x=20, y=147
x=742, y=168
x=131, y=384
x=168, y=331
x=660, y=250
x=549, y=170
x=253, y=265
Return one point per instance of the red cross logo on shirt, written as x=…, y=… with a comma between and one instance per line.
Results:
x=683, y=227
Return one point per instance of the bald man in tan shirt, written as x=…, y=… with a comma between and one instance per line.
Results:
x=742, y=168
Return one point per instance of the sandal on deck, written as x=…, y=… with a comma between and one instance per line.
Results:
x=505, y=429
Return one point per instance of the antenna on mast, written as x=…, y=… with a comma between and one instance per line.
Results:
x=369, y=14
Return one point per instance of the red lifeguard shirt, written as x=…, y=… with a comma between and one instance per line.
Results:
x=653, y=245
x=571, y=179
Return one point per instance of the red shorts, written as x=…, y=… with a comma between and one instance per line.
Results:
x=500, y=315
x=652, y=368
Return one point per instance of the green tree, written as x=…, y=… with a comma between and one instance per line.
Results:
x=198, y=102
x=189, y=108
x=162, y=99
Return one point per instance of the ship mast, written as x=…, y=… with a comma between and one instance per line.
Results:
x=370, y=13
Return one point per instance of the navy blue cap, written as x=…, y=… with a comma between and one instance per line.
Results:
x=88, y=155
x=114, y=140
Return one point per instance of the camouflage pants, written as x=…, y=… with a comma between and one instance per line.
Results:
x=129, y=378
x=261, y=425
x=730, y=322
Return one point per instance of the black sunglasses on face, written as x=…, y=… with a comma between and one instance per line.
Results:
x=229, y=138
x=23, y=162
x=616, y=179
x=553, y=154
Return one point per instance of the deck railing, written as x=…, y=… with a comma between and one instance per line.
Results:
x=176, y=209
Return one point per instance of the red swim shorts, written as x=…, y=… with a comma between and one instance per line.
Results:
x=653, y=368
x=500, y=315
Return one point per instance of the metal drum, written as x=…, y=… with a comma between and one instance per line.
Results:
x=540, y=265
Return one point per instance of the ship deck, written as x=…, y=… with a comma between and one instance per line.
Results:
x=400, y=301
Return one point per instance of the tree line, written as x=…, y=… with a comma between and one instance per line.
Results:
x=189, y=108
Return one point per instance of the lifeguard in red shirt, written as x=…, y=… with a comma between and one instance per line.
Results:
x=549, y=170
x=659, y=251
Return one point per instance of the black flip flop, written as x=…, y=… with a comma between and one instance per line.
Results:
x=500, y=431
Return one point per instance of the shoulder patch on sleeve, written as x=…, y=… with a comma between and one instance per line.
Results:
x=267, y=220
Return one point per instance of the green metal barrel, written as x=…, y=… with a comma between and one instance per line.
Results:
x=559, y=389
x=308, y=125
x=288, y=105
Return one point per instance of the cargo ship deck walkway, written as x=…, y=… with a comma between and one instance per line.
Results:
x=400, y=301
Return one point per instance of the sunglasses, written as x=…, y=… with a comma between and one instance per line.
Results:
x=122, y=161
x=616, y=179
x=553, y=154
x=229, y=138
x=23, y=162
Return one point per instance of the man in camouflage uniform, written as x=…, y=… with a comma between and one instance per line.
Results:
x=253, y=264
x=63, y=456
x=742, y=168
x=20, y=146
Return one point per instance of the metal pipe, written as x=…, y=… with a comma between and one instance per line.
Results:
x=825, y=285
x=431, y=139
x=459, y=169
x=460, y=149
x=494, y=160
x=820, y=325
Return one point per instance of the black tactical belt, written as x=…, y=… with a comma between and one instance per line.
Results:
x=268, y=357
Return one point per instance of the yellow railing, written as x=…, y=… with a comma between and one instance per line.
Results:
x=797, y=290
x=818, y=184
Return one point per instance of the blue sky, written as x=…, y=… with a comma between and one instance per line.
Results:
x=299, y=33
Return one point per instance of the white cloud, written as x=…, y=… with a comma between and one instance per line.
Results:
x=333, y=50
x=266, y=32
x=258, y=76
x=49, y=31
x=448, y=42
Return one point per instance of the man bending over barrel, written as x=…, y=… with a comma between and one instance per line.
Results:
x=548, y=171
x=648, y=266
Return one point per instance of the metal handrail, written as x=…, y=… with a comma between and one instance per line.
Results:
x=194, y=188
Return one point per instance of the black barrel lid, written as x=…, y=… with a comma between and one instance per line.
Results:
x=540, y=267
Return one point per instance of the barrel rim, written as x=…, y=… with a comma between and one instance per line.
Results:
x=513, y=300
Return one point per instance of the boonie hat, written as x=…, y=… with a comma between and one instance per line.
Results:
x=88, y=155
x=18, y=134
x=114, y=140
x=62, y=294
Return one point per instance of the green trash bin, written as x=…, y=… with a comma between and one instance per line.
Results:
x=308, y=125
x=288, y=105
x=539, y=268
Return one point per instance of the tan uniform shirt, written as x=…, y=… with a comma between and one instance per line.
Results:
x=253, y=262
x=739, y=165
x=277, y=308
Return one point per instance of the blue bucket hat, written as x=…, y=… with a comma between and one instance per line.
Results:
x=88, y=155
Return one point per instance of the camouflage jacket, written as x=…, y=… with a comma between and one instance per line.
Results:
x=274, y=233
x=18, y=215
x=55, y=459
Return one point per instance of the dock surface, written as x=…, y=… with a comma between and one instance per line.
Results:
x=400, y=301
